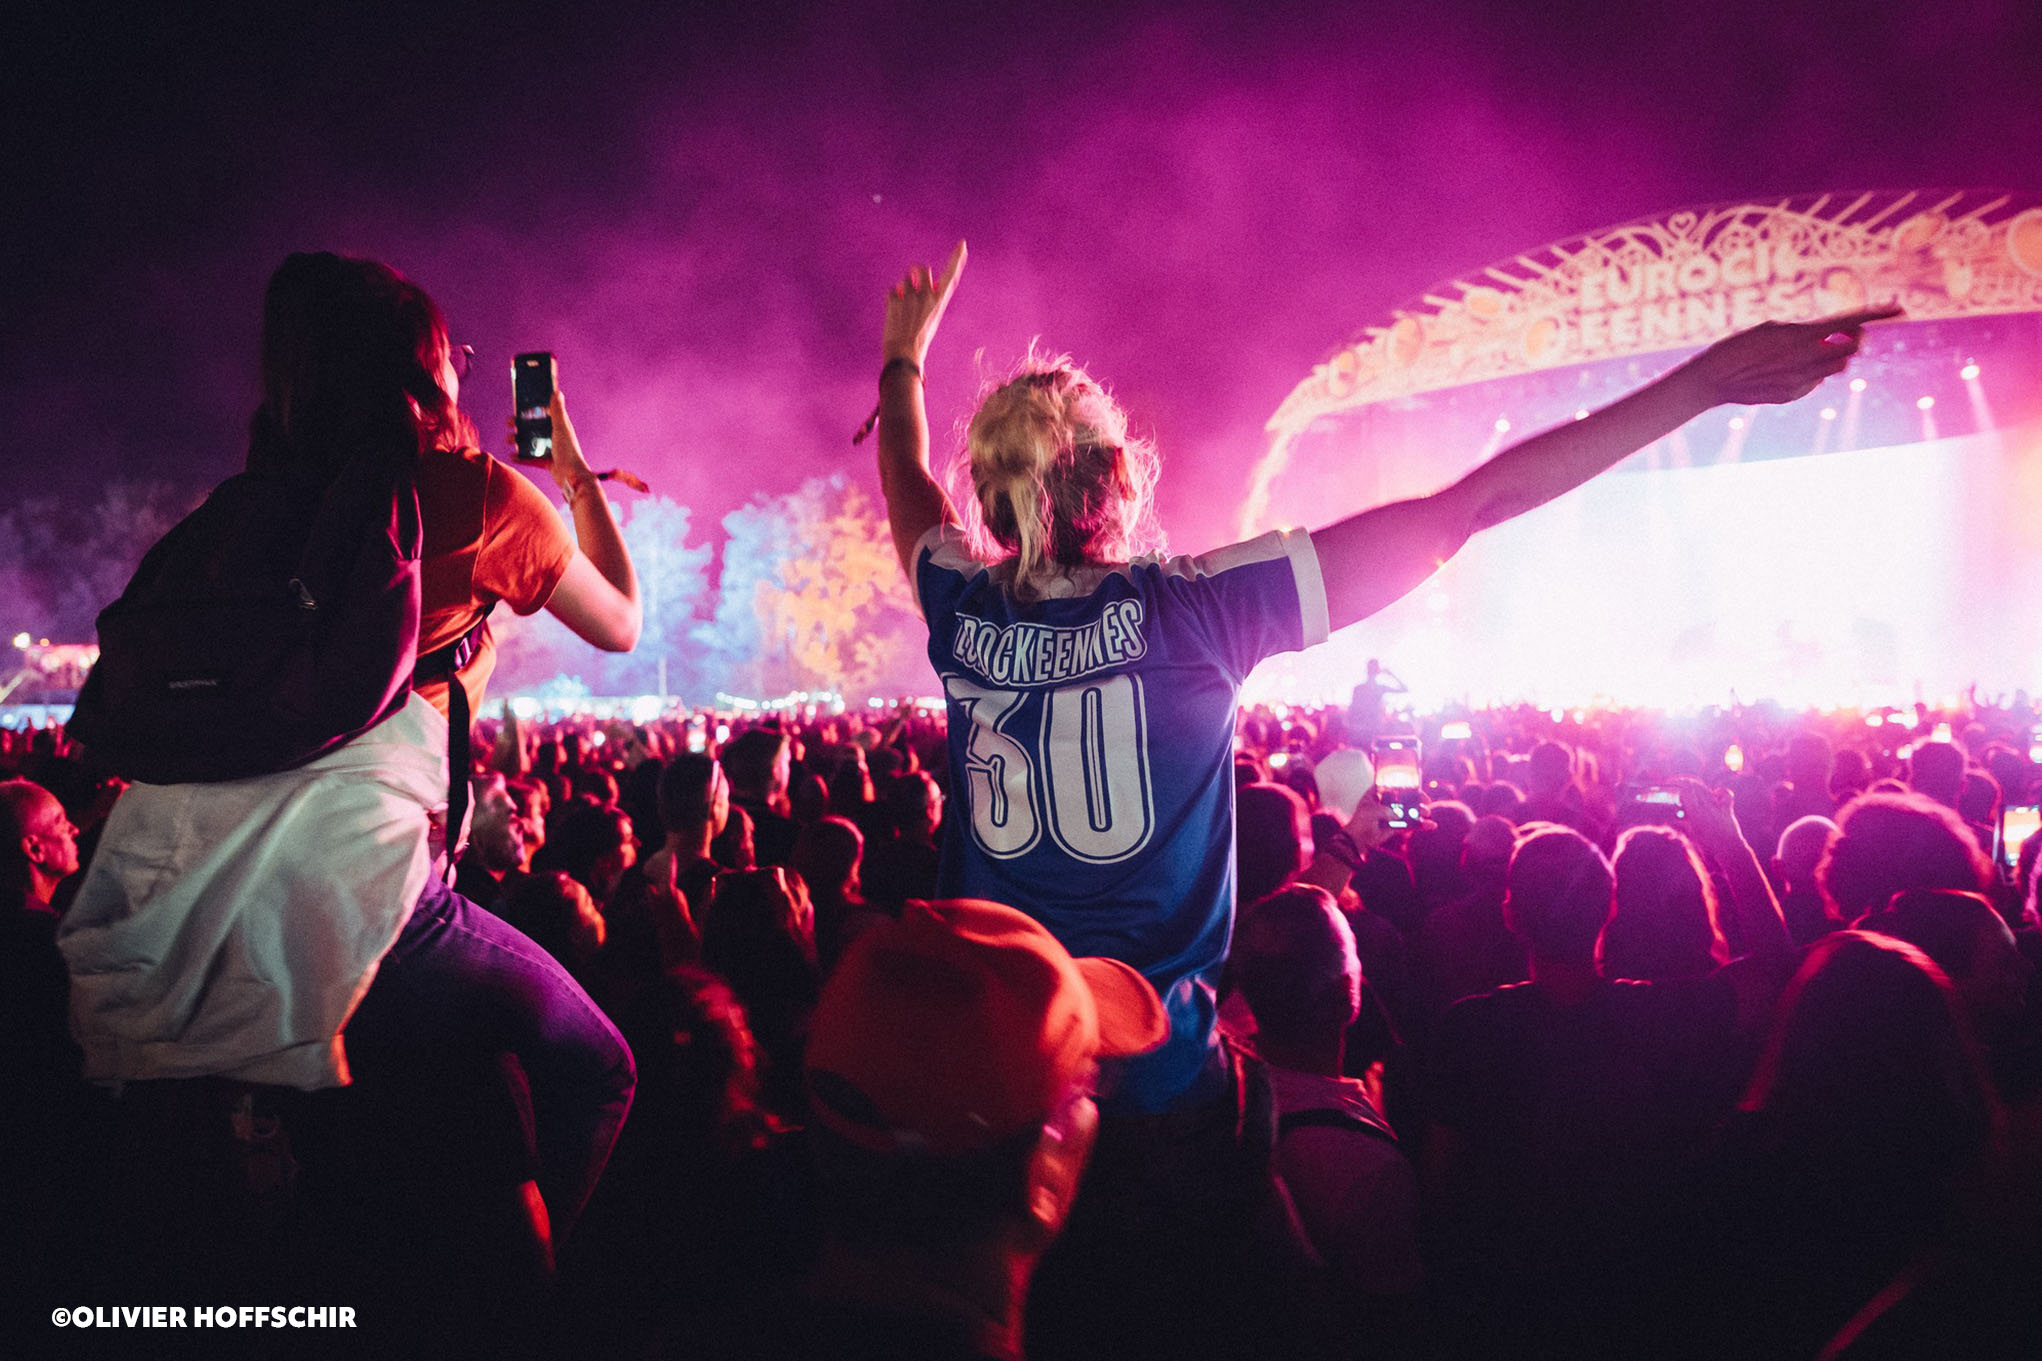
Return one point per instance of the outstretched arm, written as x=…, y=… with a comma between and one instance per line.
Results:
x=915, y=502
x=1374, y=558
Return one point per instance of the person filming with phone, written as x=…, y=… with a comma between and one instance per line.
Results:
x=293, y=929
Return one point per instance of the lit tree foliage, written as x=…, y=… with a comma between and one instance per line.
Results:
x=812, y=597
x=673, y=576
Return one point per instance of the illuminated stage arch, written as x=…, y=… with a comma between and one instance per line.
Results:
x=1943, y=427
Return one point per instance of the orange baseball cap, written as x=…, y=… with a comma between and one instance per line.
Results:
x=963, y=1023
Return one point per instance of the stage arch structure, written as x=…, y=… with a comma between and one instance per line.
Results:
x=1926, y=491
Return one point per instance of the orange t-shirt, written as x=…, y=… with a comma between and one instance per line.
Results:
x=490, y=536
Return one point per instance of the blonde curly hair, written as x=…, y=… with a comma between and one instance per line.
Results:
x=1056, y=478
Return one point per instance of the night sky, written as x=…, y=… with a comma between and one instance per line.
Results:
x=697, y=207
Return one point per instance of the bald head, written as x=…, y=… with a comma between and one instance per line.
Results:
x=38, y=844
x=1800, y=850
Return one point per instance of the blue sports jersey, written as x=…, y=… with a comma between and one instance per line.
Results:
x=1091, y=754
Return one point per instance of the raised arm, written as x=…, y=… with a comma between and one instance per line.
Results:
x=915, y=501
x=1752, y=920
x=1372, y=559
x=598, y=595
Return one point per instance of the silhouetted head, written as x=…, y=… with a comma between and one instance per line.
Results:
x=693, y=793
x=1886, y=843
x=1969, y=942
x=1978, y=801
x=755, y=915
x=733, y=847
x=1485, y=855
x=1848, y=774
x=1293, y=958
x=808, y=796
x=698, y=1063
x=1808, y=761
x=354, y=357
x=1272, y=838
x=592, y=842
x=851, y=788
x=1435, y=850
x=1550, y=770
x=1665, y=925
x=1501, y=799
x=758, y=761
x=1800, y=851
x=1937, y=770
x=1557, y=894
x=826, y=854
x=1869, y=1061
x=914, y=802
x=1058, y=481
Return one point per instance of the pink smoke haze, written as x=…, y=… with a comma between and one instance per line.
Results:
x=697, y=207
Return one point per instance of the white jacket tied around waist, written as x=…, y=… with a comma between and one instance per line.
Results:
x=229, y=929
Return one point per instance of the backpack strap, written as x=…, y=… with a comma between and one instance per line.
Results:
x=1329, y=1117
x=447, y=661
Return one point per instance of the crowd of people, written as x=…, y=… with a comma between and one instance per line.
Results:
x=1086, y=1015
x=1561, y=1070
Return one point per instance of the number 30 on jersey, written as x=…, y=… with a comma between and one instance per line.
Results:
x=1084, y=776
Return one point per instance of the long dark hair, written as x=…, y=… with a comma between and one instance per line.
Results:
x=351, y=358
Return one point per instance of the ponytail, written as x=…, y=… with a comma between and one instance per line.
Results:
x=1056, y=479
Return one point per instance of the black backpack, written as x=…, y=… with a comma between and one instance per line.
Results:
x=271, y=625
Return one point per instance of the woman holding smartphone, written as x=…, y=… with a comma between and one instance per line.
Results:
x=233, y=929
x=1092, y=693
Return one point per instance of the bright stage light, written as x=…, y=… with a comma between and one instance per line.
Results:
x=1733, y=758
x=1968, y=372
x=1924, y=403
x=1581, y=413
x=1829, y=413
x=1875, y=720
x=1502, y=426
x=1941, y=733
x=1737, y=422
x=1857, y=385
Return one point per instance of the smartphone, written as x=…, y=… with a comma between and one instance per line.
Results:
x=2017, y=823
x=1656, y=802
x=1455, y=732
x=1398, y=779
x=533, y=377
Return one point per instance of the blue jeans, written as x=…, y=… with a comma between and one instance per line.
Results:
x=462, y=983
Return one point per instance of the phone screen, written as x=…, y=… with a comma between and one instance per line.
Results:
x=533, y=377
x=1398, y=779
x=2019, y=822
